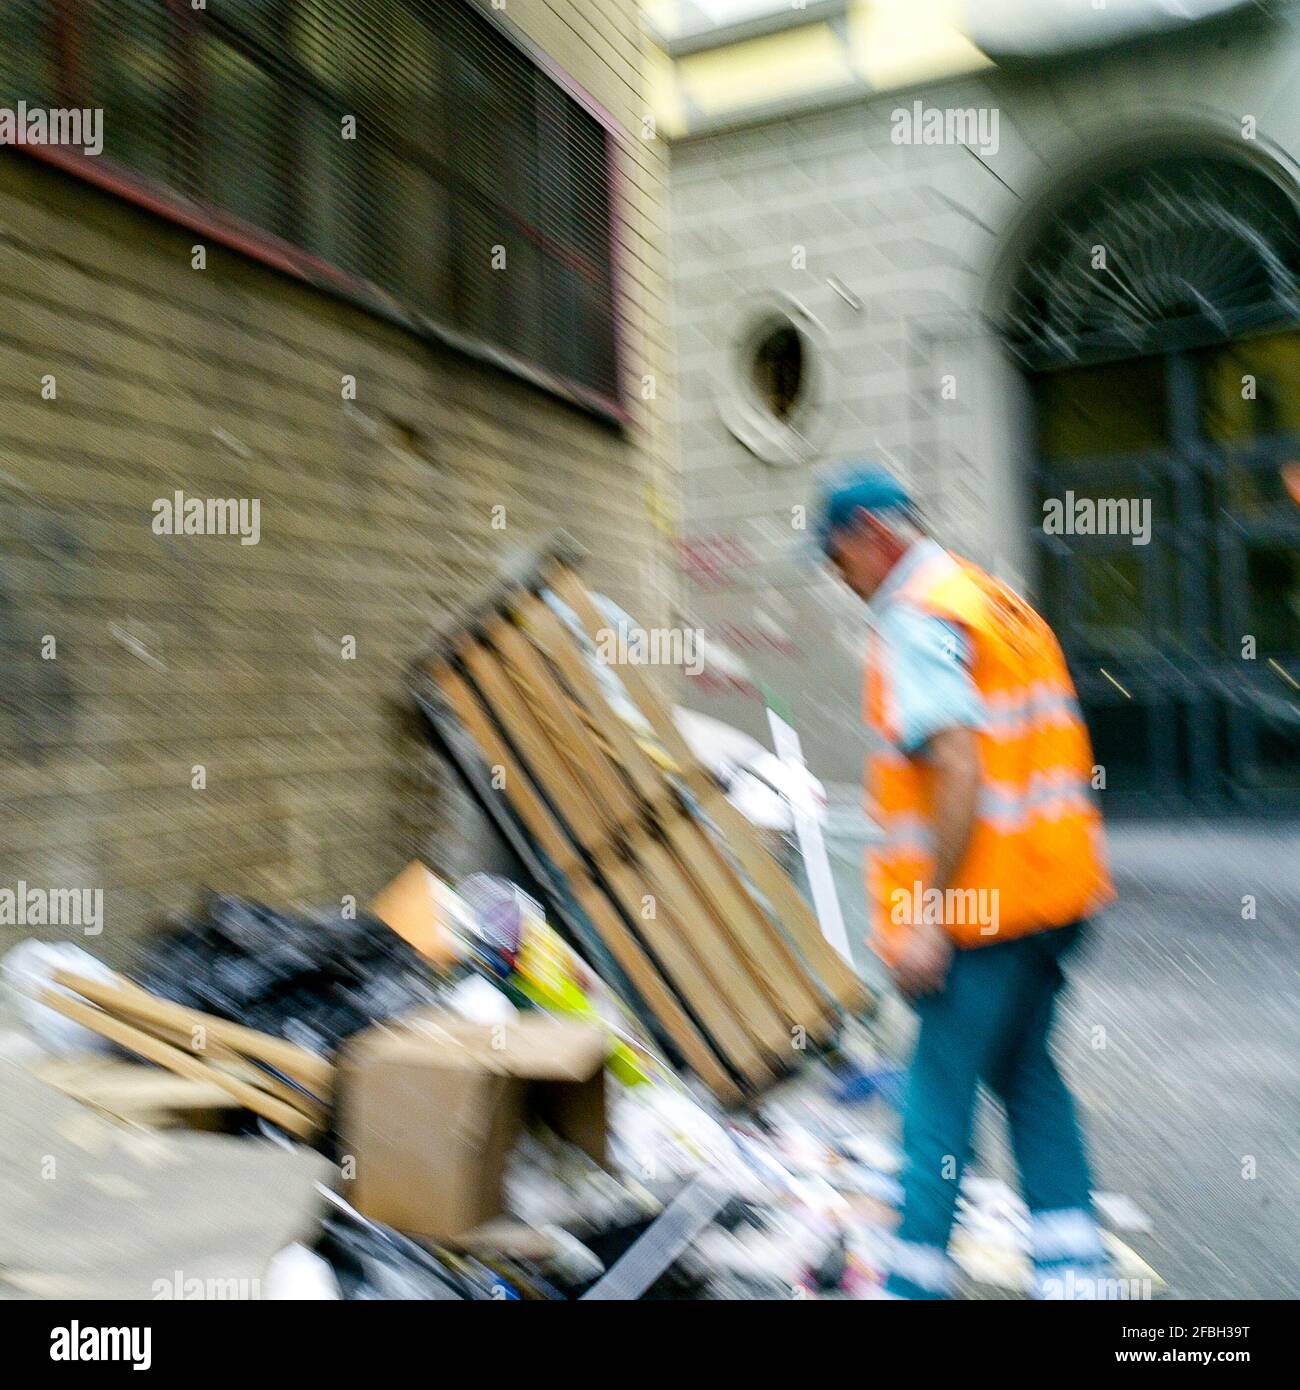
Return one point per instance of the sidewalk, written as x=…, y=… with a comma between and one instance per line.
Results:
x=1178, y=1036
x=1190, y=857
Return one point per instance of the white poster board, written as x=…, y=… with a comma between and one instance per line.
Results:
x=807, y=826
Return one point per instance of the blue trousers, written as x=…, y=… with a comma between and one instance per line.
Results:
x=991, y=1024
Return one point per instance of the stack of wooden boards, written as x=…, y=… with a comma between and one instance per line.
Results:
x=269, y=1076
x=645, y=860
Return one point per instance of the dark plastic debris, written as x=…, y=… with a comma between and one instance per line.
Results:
x=314, y=978
x=374, y=1262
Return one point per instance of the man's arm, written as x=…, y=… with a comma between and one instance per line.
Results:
x=942, y=711
x=953, y=757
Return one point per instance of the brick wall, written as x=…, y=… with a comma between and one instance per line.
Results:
x=173, y=652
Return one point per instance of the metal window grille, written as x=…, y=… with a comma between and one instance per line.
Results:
x=1182, y=252
x=468, y=185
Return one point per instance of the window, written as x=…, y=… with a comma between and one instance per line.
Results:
x=778, y=370
x=1178, y=253
x=474, y=190
x=777, y=381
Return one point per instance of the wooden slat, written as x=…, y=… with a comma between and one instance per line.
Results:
x=214, y=1051
x=667, y=937
x=182, y=1063
x=557, y=644
x=567, y=792
x=583, y=818
x=771, y=959
x=717, y=951
x=791, y=909
x=219, y=1055
x=544, y=695
x=732, y=962
x=622, y=944
x=316, y=1073
x=723, y=963
x=697, y=945
x=775, y=967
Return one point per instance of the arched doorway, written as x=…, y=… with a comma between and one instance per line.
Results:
x=1157, y=317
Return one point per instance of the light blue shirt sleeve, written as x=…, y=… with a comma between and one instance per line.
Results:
x=928, y=667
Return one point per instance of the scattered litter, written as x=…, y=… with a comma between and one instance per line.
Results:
x=479, y=1002
x=660, y=1244
x=297, y=1274
x=1122, y=1213
x=372, y=1261
x=28, y=969
x=425, y=912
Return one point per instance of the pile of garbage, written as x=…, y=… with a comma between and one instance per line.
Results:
x=591, y=1169
x=312, y=978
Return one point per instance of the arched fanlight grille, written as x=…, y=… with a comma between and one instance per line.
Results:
x=1175, y=254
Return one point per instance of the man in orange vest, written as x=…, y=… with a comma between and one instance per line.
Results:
x=989, y=864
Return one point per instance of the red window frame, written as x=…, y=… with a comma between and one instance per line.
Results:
x=257, y=244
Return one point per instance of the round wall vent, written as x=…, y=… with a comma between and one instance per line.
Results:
x=774, y=383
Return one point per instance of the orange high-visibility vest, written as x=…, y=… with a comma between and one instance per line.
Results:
x=1036, y=858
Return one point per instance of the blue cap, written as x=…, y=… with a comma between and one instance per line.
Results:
x=861, y=485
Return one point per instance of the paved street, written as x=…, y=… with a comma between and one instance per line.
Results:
x=1201, y=1064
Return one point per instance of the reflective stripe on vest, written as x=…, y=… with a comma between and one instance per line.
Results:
x=1051, y=794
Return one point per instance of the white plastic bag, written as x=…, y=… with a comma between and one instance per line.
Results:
x=28, y=969
x=298, y=1275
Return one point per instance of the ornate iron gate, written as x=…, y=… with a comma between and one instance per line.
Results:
x=1156, y=319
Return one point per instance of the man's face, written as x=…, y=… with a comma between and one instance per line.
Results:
x=862, y=553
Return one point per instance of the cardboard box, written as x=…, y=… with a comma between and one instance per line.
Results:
x=431, y=1108
x=422, y=909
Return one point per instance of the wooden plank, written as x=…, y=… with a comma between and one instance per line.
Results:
x=623, y=946
x=792, y=992
x=732, y=962
x=316, y=1073
x=182, y=1063
x=567, y=792
x=615, y=807
x=130, y=1090
x=775, y=967
x=551, y=772
x=546, y=697
x=695, y=943
x=792, y=911
x=219, y=1055
x=667, y=937
x=224, y=1056
x=557, y=644
x=540, y=823
x=722, y=962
